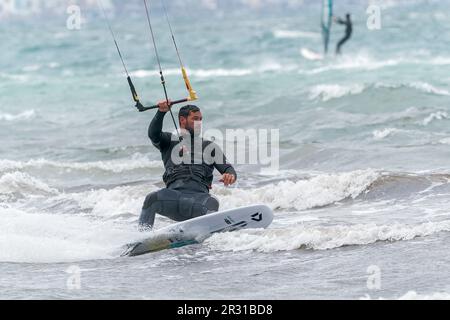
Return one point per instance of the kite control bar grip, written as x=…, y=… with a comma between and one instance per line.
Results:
x=133, y=91
x=141, y=108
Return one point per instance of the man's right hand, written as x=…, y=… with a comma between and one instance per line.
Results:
x=164, y=106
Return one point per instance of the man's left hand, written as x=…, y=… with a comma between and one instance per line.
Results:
x=228, y=179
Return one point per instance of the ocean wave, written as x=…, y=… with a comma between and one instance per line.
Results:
x=413, y=295
x=428, y=88
x=32, y=68
x=137, y=161
x=365, y=62
x=440, y=115
x=48, y=238
x=119, y=203
x=28, y=114
x=319, y=191
x=438, y=61
x=53, y=65
x=445, y=141
x=16, y=77
x=221, y=72
x=201, y=73
x=20, y=183
x=327, y=92
x=398, y=185
x=333, y=91
x=383, y=134
x=360, y=61
x=321, y=237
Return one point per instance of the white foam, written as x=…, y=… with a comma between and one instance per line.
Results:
x=32, y=68
x=220, y=72
x=274, y=66
x=321, y=237
x=22, y=183
x=382, y=134
x=412, y=295
x=45, y=238
x=321, y=190
x=439, y=61
x=327, y=92
x=365, y=62
x=428, y=88
x=137, y=161
x=440, y=115
x=352, y=62
x=445, y=141
x=17, y=77
x=421, y=86
x=143, y=73
x=61, y=35
x=28, y=114
x=109, y=203
x=54, y=65
x=201, y=73
x=292, y=34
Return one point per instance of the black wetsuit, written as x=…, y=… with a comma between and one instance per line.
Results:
x=186, y=195
x=348, y=33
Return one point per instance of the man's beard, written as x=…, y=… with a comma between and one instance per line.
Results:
x=194, y=133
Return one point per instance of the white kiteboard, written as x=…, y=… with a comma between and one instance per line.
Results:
x=198, y=229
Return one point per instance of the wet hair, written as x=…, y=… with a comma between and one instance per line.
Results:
x=186, y=110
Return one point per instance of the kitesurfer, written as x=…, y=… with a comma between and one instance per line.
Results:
x=188, y=169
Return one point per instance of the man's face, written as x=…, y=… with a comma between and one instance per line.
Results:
x=193, y=123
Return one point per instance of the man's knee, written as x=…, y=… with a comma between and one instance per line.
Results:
x=163, y=202
x=212, y=204
x=150, y=199
x=205, y=205
x=149, y=210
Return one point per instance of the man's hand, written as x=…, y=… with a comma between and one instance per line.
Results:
x=164, y=106
x=228, y=179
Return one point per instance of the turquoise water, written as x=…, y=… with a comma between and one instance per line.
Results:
x=364, y=149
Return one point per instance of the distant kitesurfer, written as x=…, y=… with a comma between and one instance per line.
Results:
x=189, y=167
x=348, y=31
